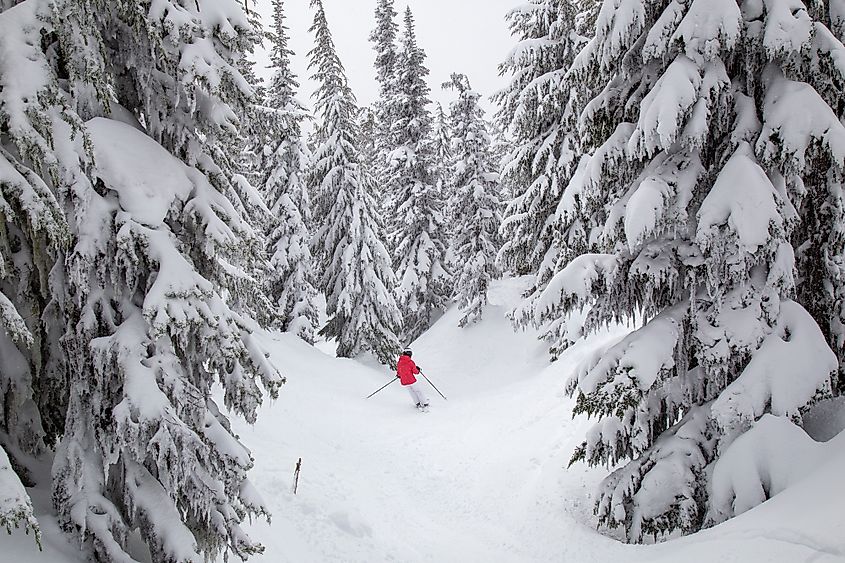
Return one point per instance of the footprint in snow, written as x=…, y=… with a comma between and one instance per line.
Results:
x=357, y=529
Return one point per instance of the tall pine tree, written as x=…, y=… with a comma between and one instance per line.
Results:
x=441, y=148
x=819, y=239
x=242, y=154
x=424, y=285
x=367, y=127
x=284, y=159
x=34, y=235
x=474, y=207
x=384, y=38
x=357, y=275
x=707, y=186
x=530, y=109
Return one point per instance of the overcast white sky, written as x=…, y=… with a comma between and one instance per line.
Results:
x=468, y=36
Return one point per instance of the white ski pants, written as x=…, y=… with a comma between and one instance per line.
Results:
x=417, y=395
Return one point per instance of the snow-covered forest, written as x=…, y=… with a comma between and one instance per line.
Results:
x=625, y=282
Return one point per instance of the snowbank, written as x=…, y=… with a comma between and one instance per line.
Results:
x=764, y=462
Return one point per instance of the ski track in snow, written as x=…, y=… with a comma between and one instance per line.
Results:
x=474, y=479
x=482, y=477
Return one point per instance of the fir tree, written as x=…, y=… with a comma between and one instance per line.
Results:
x=699, y=174
x=117, y=221
x=474, y=203
x=540, y=108
x=242, y=154
x=424, y=285
x=383, y=38
x=529, y=108
x=291, y=284
x=357, y=276
x=33, y=235
x=253, y=127
x=819, y=238
x=441, y=148
x=368, y=132
x=501, y=147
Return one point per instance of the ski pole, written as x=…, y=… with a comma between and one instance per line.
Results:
x=380, y=388
x=432, y=384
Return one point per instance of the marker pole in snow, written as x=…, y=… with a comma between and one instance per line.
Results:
x=432, y=384
x=296, y=475
x=382, y=387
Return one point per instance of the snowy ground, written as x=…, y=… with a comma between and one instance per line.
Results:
x=483, y=476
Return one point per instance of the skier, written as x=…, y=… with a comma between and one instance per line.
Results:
x=405, y=371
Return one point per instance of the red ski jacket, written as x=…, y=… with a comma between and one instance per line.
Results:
x=405, y=369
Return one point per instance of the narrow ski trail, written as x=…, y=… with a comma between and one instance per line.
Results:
x=482, y=477
x=382, y=481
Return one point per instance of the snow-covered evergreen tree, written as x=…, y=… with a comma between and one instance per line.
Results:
x=441, y=148
x=114, y=129
x=501, y=146
x=708, y=185
x=285, y=156
x=424, y=285
x=540, y=109
x=819, y=238
x=253, y=126
x=357, y=275
x=241, y=155
x=33, y=233
x=384, y=39
x=368, y=133
x=530, y=109
x=474, y=207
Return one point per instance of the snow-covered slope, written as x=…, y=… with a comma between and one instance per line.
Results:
x=483, y=476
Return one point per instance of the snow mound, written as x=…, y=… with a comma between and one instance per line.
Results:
x=765, y=461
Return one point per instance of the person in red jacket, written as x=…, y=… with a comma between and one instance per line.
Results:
x=406, y=369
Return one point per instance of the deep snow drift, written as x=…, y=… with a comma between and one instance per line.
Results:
x=483, y=476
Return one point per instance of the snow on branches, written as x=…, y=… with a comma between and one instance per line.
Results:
x=282, y=175
x=711, y=212
x=357, y=275
x=120, y=216
x=474, y=204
